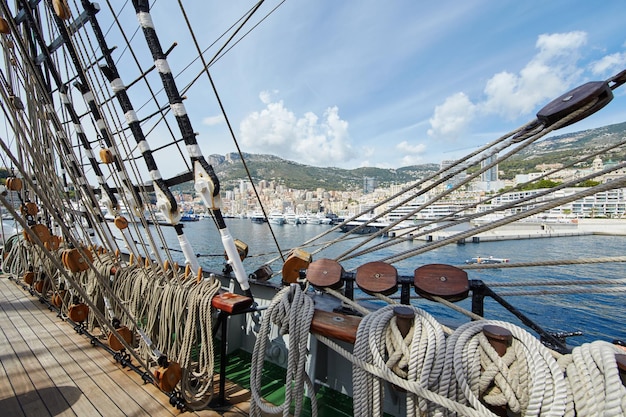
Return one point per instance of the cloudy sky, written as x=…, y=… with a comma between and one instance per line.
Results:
x=351, y=83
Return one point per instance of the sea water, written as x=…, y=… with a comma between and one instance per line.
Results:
x=596, y=313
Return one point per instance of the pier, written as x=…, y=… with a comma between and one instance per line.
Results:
x=538, y=230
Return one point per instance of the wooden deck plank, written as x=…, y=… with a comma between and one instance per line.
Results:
x=24, y=390
x=8, y=399
x=77, y=368
x=26, y=344
x=68, y=376
x=33, y=359
x=90, y=367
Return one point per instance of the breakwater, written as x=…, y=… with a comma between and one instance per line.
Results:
x=538, y=230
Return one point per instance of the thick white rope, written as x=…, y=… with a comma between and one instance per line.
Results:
x=417, y=357
x=292, y=311
x=593, y=381
x=528, y=378
x=411, y=386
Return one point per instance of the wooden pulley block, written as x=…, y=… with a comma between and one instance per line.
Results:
x=124, y=333
x=120, y=222
x=61, y=9
x=297, y=260
x=325, y=273
x=54, y=243
x=168, y=376
x=377, y=277
x=29, y=209
x=29, y=277
x=78, y=312
x=75, y=261
x=106, y=156
x=262, y=274
x=4, y=26
x=38, y=286
x=231, y=303
x=14, y=184
x=40, y=230
x=57, y=299
x=445, y=281
x=242, y=249
x=595, y=91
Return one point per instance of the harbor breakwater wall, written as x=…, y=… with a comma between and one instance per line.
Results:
x=539, y=229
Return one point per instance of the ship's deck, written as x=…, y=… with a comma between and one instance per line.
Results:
x=47, y=369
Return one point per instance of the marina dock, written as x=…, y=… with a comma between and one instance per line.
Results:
x=537, y=230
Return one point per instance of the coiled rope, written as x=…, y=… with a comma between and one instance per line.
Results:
x=197, y=380
x=292, y=311
x=418, y=356
x=527, y=379
x=593, y=381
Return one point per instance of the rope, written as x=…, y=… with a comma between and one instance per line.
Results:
x=527, y=379
x=292, y=311
x=417, y=357
x=593, y=381
x=197, y=380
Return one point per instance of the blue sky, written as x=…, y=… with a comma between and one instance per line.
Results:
x=350, y=83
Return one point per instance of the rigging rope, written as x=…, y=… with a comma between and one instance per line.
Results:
x=292, y=311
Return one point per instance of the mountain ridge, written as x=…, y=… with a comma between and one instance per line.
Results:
x=565, y=149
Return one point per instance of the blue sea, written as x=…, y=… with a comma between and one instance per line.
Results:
x=598, y=315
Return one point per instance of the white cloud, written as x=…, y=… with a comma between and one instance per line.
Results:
x=411, y=160
x=609, y=64
x=213, y=120
x=309, y=139
x=412, y=153
x=406, y=147
x=548, y=74
x=452, y=117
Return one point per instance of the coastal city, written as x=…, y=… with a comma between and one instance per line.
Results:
x=286, y=205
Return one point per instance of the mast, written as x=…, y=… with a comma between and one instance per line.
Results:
x=206, y=182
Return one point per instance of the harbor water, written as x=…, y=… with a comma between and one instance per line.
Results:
x=592, y=309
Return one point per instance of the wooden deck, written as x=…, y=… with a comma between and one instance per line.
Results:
x=47, y=369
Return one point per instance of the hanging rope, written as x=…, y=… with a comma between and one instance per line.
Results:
x=197, y=380
x=292, y=311
x=417, y=357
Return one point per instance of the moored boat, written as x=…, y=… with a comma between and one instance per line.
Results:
x=486, y=260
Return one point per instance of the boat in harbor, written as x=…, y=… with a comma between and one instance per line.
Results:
x=486, y=260
x=93, y=126
x=363, y=225
x=276, y=217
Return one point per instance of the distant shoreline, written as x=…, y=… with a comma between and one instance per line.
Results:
x=540, y=230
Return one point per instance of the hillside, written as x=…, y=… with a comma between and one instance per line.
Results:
x=230, y=170
x=567, y=149
x=561, y=148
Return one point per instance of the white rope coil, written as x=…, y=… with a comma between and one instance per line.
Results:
x=292, y=311
x=527, y=379
x=593, y=381
x=416, y=357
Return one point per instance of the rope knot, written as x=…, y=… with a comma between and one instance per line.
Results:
x=398, y=348
x=501, y=382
